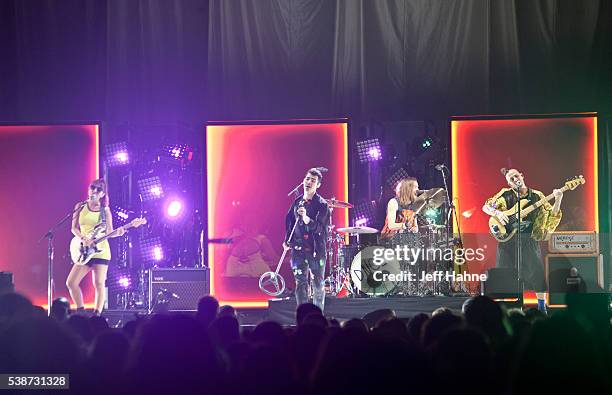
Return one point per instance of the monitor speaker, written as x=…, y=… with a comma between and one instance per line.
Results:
x=501, y=283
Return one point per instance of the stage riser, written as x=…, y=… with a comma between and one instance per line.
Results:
x=283, y=311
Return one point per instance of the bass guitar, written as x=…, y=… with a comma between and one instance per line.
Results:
x=503, y=233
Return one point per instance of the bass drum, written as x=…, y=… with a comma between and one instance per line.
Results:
x=370, y=278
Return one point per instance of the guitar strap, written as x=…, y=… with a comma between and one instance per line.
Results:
x=103, y=215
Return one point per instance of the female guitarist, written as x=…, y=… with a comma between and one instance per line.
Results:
x=92, y=218
x=534, y=228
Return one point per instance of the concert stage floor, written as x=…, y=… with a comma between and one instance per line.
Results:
x=283, y=311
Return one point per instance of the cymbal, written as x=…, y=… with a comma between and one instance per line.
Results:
x=432, y=226
x=357, y=230
x=431, y=198
x=333, y=203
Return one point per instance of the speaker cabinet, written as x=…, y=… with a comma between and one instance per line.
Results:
x=181, y=288
x=502, y=283
x=567, y=273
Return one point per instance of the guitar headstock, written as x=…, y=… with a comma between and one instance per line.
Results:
x=136, y=222
x=575, y=182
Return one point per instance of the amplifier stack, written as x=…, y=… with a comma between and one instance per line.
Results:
x=573, y=264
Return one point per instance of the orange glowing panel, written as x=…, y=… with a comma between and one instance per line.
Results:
x=546, y=149
x=44, y=171
x=250, y=169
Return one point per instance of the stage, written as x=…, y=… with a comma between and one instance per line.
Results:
x=283, y=310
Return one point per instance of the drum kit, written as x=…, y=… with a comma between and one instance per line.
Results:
x=351, y=252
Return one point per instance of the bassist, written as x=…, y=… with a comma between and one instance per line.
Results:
x=534, y=228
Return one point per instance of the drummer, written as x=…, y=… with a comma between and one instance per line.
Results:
x=401, y=216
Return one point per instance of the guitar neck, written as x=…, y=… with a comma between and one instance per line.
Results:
x=101, y=239
x=539, y=204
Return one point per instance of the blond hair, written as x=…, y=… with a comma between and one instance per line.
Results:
x=406, y=191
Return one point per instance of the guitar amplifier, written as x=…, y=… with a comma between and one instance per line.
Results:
x=578, y=273
x=182, y=288
x=573, y=243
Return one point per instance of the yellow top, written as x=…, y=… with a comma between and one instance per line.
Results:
x=87, y=222
x=545, y=221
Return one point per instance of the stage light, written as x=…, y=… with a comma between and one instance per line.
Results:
x=151, y=249
x=364, y=213
x=361, y=221
x=174, y=208
x=369, y=150
x=121, y=215
x=177, y=152
x=117, y=154
x=426, y=143
x=158, y=254
x=124, y=281
x=150, y=188
x=374, y=153
x=156, y=190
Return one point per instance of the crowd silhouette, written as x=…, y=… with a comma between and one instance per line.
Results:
x=485, y=350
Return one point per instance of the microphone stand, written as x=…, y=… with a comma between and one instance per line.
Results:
x=518, y=243
x=49, y=236
x=295, y=190
x=297, y=187
x=452, y=211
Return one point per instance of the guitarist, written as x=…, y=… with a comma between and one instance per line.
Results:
x=95, y=212
x=534, y=228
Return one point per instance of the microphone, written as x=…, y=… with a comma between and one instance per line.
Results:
x=440, y=166
x=300, y=205
x=322, y=169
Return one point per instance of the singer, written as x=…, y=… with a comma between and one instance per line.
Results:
x=88, y=215
x=534, y=228
x=308, y=249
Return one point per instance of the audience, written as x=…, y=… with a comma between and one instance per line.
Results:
x=484, y=350
x=208, y=308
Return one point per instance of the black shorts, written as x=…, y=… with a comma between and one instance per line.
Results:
x=97, y=261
